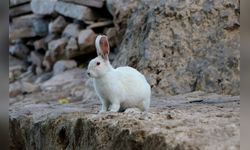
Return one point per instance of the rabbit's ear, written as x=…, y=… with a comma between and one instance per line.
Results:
x=102, y=46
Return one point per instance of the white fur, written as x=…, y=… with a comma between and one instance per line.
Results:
x=98, y=49
x=120, y=88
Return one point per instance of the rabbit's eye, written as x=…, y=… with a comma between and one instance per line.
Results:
x=98, y=63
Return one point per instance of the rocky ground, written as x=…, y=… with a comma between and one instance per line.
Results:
x=63, y=114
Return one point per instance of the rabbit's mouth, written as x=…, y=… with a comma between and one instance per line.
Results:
x=91, y=74
x=88, y=73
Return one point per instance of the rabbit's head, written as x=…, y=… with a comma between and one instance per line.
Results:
x=100, y=65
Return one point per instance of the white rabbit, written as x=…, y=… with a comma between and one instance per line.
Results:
x=120, y=88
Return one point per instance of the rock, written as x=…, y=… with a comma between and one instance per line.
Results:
x=11, y=77
x=90, y=3
x=57, y=25
x=15, y=72
x=71, y=30
x=40, y=44
x=112, y=37
x=171, y=123
x=20, y=10
x=121, y=12
x=63, y=80
x=55, y=52
x=36, y=60
x=26, y=26
x=23, y=21
x=25, y=32
x=43, y=7
x=75, y=11
x=180, y=57
x=50, y=37
x=40, y=27
x=27, y=87
x=63, y=65
x=132, y=110
x=57, y=45
x=86, y=41
x=15, y=89
x=16, y=68
x=27, y=76
x=17, y=2
x=43, y=77
x=13, y=61
x=71, y=48
x=100, y=24
x=19, y=50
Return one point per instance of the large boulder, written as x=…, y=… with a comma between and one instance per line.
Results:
x=181, y=46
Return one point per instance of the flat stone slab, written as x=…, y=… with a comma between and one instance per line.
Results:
x=191, y=121
x=90, y=3
x=13, y=3
x=75, y=11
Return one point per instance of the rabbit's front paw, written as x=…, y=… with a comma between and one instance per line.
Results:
x=115, y=107
x=102, y=111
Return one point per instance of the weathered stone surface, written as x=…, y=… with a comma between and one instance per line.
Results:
x=19, y=50
x=86, y=40
x=13, y=61
x=171, y=123
x=40, y=26
x=67, y=81
x=17, y=2
x=25, y=32
x=15, y=89
x=90, y=3
x=36, y=60
x=63, y=65
x=27, y=76
x=71, y=30
x=58, y=44
x=100, y=24
x=40, y=44
x=121, y=12
x=112, y=37
x=182, y=46
x=15, y=72
x=50, y=38
x=43, y=77
x=27, y=26
x=23, y=21
x=43, y=7
x=55, y=52
x=57, y=25
x=75, y=11
x=71, y=48
x=16, y=68
x=27, y=87
x=20, y=10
